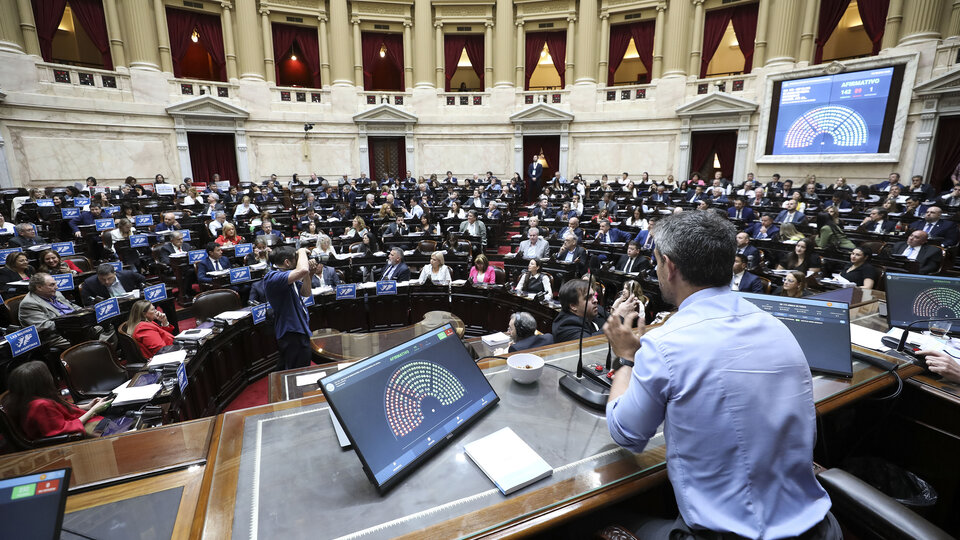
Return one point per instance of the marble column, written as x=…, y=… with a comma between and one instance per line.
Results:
x=487, y=54
x=113, y=32
x=784, y=32
x=696, y=39
x=441, y=63
x=268, y=61
x=807, y=43
x=571, y=50
x=921, y=21
x=407, y=55
x=6, y=181
x=324, y=50
x=357, y=54
x=676, y=56
x=503, y=47
x=586, y=57
x=604, y=62
x=953, y=29
x=142, y=33
x=341, y=43
x=424, y=62
x=163, y=36
x=521, y=45
x=250, y=42
x=760, y=45
x=229, y=47
x=658, y=31
x=891, y=31
x=11, y=38
x=28, y=28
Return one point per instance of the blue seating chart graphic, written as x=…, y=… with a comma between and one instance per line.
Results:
x=845, y=126
x=417, y=390
x=936, y=303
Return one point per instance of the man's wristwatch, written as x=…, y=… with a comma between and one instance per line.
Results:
x=625, y=362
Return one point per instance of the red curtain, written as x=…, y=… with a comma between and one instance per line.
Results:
x=701, y=149
x=706, y=143
x=725, y=145
x=557, y=44
x=620, y=37
x=180, y=25
x=642, y=33
x=90, y=15
x=211, y=37
x=213, y=153
x=285, y=35
x=394, y=43
x=47, y=15
x=714, y=26
x=535, y=41
x=369, y=50
x=745, y=27
x=474, y=45
x=874, y=17
x=946, y=152
x=452, y=47
x=831, y=11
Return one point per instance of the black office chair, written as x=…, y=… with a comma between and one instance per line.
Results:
x=91, y=370
x=209, y=304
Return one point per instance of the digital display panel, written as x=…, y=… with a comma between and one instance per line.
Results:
x=403, y=404
x=912, y=298
x=845, y=113
x=32, y=506
x=822, y=329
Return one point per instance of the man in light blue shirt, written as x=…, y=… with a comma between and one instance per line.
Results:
x=738, y=419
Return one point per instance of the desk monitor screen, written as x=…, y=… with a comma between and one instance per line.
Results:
x=912, y=298
x=822, y=329
x=400, y=406
x=32, y=506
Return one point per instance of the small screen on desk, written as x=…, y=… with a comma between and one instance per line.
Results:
x=911, y=298
x=403, y=404
x=822, y=329
x=32, y=506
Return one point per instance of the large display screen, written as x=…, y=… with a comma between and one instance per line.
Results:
x=913, y=298
x=32, y=506
x=822, y=329
x=846, y=113
x=403, y=404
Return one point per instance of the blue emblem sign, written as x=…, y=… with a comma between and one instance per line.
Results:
x=44, y=203
x=309, y=301
x=196, y=255
x=155, y=293
x=80, y=202
x=64, y=281
x=8, y=251
x=143, y=221
x=24, y=340
x=111, y=209
x=182, y=376
x=105, y=224
x=259, y=312
x=242, y=250
x=117, y=266
x=240, y=274
x=346, y=291
x=186, y=234
x=386, y=287
x=70, y=213
x=107, y=309
x=139, y=240
x=62, y=248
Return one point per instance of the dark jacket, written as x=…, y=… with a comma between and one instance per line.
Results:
x=531, y=342
x=566, y=326
x=93, y=289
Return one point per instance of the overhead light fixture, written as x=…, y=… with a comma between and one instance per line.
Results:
x=195, y=36
x=383, y=50
x=293, y=57
x=716, y=161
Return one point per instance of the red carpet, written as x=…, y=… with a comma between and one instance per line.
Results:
x=252, y=396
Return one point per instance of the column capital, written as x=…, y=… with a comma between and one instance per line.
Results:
x=518, y=22
x=264, y=11
x=571, y=18
x=604, y=16
x=322, y=18
x=226, y=4
x=407, y=24
x=488, y=24
x=438, y=24
x=355, y=21
x=697, y=3
x=662, y=6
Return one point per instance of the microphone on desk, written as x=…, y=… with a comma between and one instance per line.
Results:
x=587, y=391
x=901, y=345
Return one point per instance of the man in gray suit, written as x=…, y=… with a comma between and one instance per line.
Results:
x=42, y=305
x=534, y=247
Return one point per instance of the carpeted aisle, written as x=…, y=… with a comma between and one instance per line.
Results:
x=252, y=396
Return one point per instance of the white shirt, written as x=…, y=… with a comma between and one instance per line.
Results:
x=735, y=282
x=911, y=252
x=440, y=276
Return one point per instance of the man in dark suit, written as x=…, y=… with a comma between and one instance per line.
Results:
x=535, y=171
x=757, y=199
x=608, y=235
x=85, y=218
x=26, y=236
x=570, y=251
x=744, y=281
x=645, y=240
x=631, y=262
x=936, y=227
x=789, y=214
x=323, y=275
x=108, y=283
x=176, y=245
x=397, y=228
x=573, y=227
x=695, y=197
x=741, y=211
x=522, y=330
x=892, y=180
x=395, y=268
x=214, y=262
x=744, y=248
x=775, y=183
x=927, y=257
x=917, y=187
x=169, y=222
x=578, y=302
x=763, y=229
x=492, y=211
x=876, y=222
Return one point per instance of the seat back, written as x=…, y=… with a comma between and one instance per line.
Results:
x=13, y=434
x=499, y=275
x=129, y=348
x=464, y=246
x=209, y=304
x=82, y=262
x=91, y=370
x=767, y=284
x=427, y=246
x=13, y=305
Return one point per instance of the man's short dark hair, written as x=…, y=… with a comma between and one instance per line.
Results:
x=211, y=246
x=105, y=269
x=524, y=324
x=573, y=291
x=776, y=175
x=742, y=258
x=701, y=246
x=634, y=243
x=284, y=253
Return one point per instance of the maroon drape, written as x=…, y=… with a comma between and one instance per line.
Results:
x=474, y=46
x=535, y=41
x=213, y=153
x=211, y=37
x=452, y=47
x=701, y=148
x=619, y=42
x=706, y=143
x=47, y=15
x=557, y=44
x=744, y=20
x=91, y=17
x=370, y=45
x=725, y=145
x=285, y=35
x=874, y=17
x=831, y=11
x=642, y=33
x=180, y=25
x=946, y=152
x=714, y=26
x=394, y=43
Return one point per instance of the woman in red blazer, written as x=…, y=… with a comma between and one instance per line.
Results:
x=150, y=328
x=35, y=402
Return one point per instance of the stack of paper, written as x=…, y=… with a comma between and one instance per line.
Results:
x=233, y=316
x=135, y=394
x=508, y=461
x=175, y=357
x=195, y=334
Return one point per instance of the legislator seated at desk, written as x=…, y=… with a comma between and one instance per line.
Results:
x=108, y=283
x=743, y=280
x=632, y=262
x=576, y=298
x=437, y=271
x=16, y=268
x=570, y=252
x=322, y=275
x=149, y=328
x=42, y=305
x=474, y=227
x=86, y=218
x=169, y=223
x=611, y=235
x=927, y=257
x=176, y=246
x=395, y=268
x=26, y=236
x=935, y=227
x=535, y=246
x=522, y=330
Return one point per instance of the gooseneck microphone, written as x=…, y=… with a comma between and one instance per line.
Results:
x=584, y=389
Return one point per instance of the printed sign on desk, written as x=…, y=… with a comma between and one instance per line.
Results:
x=117, y=266
x=182, y=377
x=144, y=220
x=111, y=210
x=62, y=248
x=242, y=250
x=106, y=309
x=8, y=251
x=70, y=213
x=240, y=274
x=346, y=291
x=259, y=312
x=44, y=203
x=64, y=281
x=164, y=189
x=105, y=224
x=155, y=293
x=24, y=340
x=139, y=240
x=386, y=287
x=309, y=301
x=80, y=202
x=186, y=234
x=196, y=255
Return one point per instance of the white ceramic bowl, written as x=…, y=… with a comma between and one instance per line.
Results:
x=525, y=368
